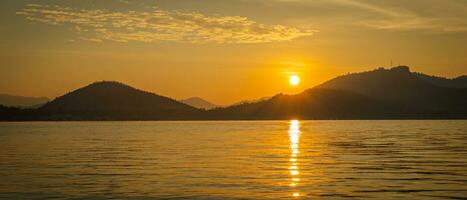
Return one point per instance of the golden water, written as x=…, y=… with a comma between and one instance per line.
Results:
x=234, y=160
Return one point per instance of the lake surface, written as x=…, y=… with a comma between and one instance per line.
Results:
x=234, y=160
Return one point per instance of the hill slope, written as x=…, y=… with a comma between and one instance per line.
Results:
x=319, y=104
x=458, y=82
x=115, y=101
x=198, y=103
x=399, y=85
x=249, y=101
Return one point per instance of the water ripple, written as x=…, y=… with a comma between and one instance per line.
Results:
x=234, y=160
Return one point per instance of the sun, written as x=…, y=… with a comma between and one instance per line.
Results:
x=294, y=80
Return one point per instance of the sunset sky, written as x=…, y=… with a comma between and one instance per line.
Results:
x=222, y=50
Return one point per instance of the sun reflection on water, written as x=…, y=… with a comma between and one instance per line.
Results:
x=294, y=137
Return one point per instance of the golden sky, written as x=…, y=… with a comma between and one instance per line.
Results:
x=223, y=51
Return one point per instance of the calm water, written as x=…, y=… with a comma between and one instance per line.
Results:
x=234, y=160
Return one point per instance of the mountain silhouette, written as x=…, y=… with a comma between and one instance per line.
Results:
x=107, y=100
x=394, y=93
x=21, y=101
x=198, y=102
x=317, y=103
x=410, y=90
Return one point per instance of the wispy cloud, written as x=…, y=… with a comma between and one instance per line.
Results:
x=435, y=16
x=418, y=23
x=159, y=25
x=403, y=18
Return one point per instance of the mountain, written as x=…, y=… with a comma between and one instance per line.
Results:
x=318, y=103
x=199, y=103
x=21, y=101
x=394, y=93
x=408, y=89
x=107, y=100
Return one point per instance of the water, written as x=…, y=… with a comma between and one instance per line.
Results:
x=234, y=160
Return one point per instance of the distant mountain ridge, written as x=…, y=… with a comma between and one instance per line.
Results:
x=394, y=93
x=198, y=102
x=22, y=101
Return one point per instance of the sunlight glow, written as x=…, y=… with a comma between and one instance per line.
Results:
x=294, y=80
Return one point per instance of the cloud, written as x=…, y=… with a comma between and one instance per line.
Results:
x=435, y=16
x=418, y=23
x=159, y=25
x=404, y=17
